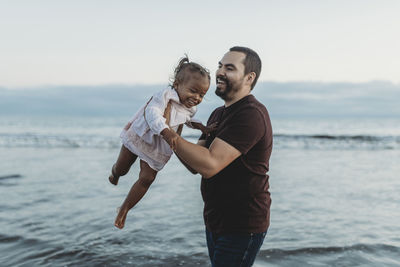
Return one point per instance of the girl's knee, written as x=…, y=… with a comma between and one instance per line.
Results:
x=147, y=175
x=120, y=169
x=124, y=161
x=146, y=180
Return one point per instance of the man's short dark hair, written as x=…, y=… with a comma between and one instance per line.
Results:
x=252, y=62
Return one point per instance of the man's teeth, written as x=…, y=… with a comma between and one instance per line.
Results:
x=220, y=80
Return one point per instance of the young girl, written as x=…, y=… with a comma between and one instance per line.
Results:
x=143, y=136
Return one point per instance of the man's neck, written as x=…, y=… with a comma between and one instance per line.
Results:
x=239, y=95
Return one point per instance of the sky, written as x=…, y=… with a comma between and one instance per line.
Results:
x=47, y=43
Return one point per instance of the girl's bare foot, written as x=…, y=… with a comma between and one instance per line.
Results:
x=113, y=178
x=120, y=219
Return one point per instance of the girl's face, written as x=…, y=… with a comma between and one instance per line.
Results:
x=192, y=91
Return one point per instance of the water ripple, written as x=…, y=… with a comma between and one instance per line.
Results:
x=326, y=250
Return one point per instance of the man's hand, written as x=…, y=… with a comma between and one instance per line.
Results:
x=170, y=137
x=179, y=131
x=167, y=113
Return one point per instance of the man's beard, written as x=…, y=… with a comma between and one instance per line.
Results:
x=229, y=89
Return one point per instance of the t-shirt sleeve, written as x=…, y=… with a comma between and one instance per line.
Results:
x=245, y=130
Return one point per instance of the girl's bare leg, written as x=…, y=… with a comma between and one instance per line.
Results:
x=138, y=190
x=122, y=166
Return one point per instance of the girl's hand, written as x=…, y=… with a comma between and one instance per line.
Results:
x=210, y=128
x=205, y=129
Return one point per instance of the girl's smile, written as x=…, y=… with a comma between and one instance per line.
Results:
x=192, y=91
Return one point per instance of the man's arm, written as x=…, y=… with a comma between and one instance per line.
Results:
x=200, y=143
x=207, y=162
x=198, y=158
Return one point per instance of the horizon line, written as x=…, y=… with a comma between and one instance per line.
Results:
x=47, y=86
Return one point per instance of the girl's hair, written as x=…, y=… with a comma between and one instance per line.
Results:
x=186, y=67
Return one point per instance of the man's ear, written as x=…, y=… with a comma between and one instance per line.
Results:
x=251, y=76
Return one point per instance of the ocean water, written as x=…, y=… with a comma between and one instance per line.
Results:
x=334, y=187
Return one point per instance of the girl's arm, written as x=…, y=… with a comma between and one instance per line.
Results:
x=204, y=129
x=155, y=110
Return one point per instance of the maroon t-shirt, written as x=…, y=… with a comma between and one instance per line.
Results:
x=236, y=200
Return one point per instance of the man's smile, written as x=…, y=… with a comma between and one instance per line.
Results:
x=221, y=80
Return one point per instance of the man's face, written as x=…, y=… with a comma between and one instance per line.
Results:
x=230, y=75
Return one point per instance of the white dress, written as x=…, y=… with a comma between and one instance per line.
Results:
x=143, y=137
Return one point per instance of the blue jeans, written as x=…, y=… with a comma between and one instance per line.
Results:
x=233, y=249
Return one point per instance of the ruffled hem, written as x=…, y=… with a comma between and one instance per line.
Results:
x=155, y=158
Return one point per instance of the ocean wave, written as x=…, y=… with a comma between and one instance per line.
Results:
x=354, y=255
x=54, y=141
x=368, y=248
x=9, y=180
x=281, y=141
x=347, y=142
x=365, y=138
x=10, y=176
x=9, y=239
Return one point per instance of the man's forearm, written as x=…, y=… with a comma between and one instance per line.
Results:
x=188, y=153
x=186, y=165
x=196, y=157
x=206, y=161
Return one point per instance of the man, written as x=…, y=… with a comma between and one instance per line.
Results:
x=233, y=161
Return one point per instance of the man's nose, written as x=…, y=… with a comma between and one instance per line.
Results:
x=219, y=72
